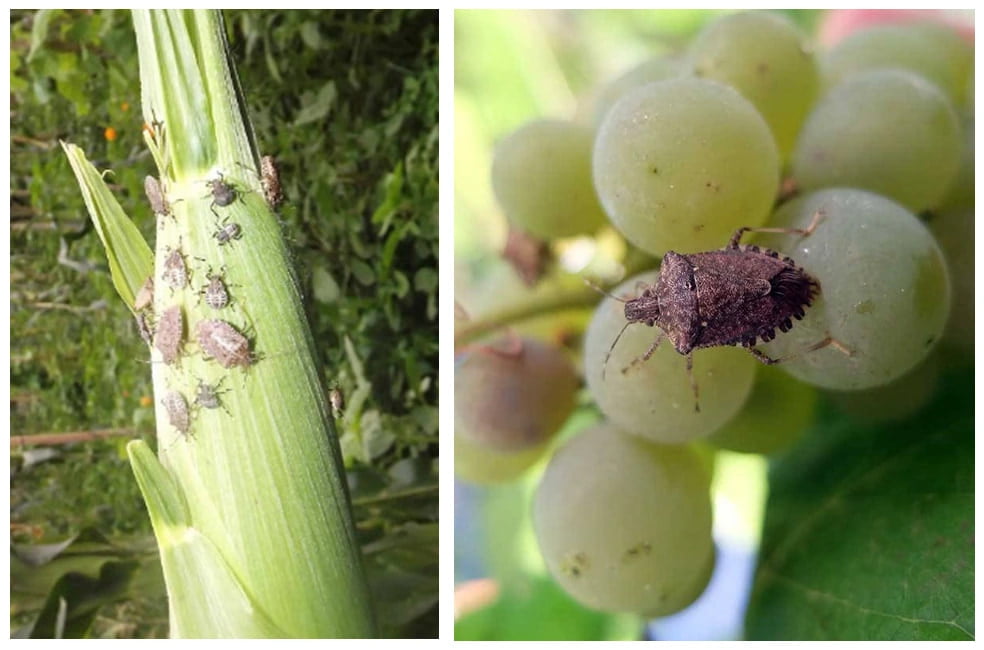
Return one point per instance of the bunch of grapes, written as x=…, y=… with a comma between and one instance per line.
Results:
x=870, y=142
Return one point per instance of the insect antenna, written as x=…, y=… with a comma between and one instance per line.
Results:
x=604, y=365
x=603, y=292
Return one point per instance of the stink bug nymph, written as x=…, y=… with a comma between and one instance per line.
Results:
x=207, y=395
x=733, y=296
x=215, y=291
x=223, y=193
x=227, y=232
x=175, y=273
x=270, y=180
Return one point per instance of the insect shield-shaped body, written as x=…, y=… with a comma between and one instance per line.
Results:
x=270, y=179
x=223, y=193
x=216, y=293
x=733, y=296
x=175, y=273
x=227, y=233
x=177, y=411
x=207, y=395
x=155, y=194
x=224, y=343
x=170, y=334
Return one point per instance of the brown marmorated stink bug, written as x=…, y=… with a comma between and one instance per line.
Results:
x=170, y=334
x=223, y=193
x=227, y=232
x=732, y=296
x=224, y=343
x=155, y=194
x=270, y=180
x=215, y=291
x=177, y=411
x=207, y=395
x=175, y=273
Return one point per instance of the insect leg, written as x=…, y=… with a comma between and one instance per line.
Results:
x=806, y=232
x=828, y=340
x=645, y=357
x=693, y=382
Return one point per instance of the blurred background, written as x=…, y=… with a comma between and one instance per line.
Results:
x=512, y=67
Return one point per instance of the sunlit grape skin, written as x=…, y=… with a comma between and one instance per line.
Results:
x=765, y=57
x=680, y=164
x=623, y=524
x=885, y=290
x=541, y=176
x=654, y=399
x=887, y=131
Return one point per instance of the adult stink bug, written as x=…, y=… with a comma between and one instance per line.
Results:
x=177, y=411
x=170, y=334
x=733, y=296
x=155, y=194
x=224, y=343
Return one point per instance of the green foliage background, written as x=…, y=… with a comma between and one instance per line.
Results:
x=347, y=103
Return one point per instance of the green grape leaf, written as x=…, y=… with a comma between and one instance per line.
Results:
x=869, y=531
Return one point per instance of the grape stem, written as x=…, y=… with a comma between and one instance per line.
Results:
x=528, y=307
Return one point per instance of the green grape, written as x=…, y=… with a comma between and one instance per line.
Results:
x=896, y=400
x=623, y=524
x=933, y=51
x=655, y=69
x=776, y=414
x=961, y=191
x=888, y=131
x=476, y=463
x=541, y=176
x=764, y=57
x=954, y=232
x=885, y=292
x=514, y=395
x=680, y=164
x=654, y=399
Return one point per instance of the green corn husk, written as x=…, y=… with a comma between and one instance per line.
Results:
x=250, y=506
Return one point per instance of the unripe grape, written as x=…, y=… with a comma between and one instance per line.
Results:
x=934, y=52
x=888, y=131
x=885, y=291
x=777, y=412
x=623, y=524
x=763, y=56
x=654, y=398
x=654, y=69
x=541, y=176
x=478, y=464
x=680, y=164
x=512, y=396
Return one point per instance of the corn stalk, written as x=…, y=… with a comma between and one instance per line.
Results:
x=247, y=492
